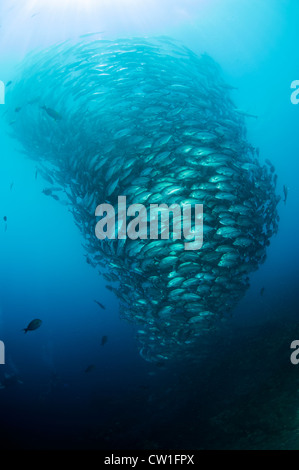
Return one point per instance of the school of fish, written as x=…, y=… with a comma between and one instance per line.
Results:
x=150, y=120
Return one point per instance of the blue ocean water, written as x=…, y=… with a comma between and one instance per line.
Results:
x=243, y=391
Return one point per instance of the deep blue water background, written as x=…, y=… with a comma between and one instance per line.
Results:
x=243, y=393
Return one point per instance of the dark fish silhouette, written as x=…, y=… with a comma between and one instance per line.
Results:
x=89, y=368
x=100, y=305
x=18, y=109
x=49, y=192
x=52, y=113
x=8, y=83
x=11, y=185
x=104, y=340
x=5, y=218
x=33, y=325
x=262, y=291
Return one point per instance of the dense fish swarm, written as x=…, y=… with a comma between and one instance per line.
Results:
x=150, y=120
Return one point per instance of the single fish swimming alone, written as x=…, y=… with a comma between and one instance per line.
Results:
x=33, y=325
x=262, y=291
x=89, y=368
x=104, y=340
x=100, y=305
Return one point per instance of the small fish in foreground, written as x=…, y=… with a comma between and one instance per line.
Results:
x=49, y=191
x=89, y=368
x=33, y=325
x=100, y=305
x=104, y=340
x=262, y=291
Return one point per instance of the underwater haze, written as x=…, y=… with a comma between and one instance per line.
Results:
x=144, y=344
